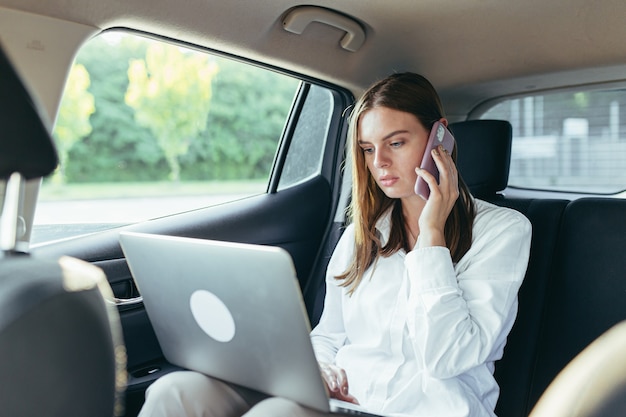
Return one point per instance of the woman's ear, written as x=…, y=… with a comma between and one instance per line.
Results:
x=444, y=121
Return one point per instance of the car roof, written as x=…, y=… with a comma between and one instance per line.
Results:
x=472, y=50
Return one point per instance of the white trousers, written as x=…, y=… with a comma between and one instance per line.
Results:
x=191, y=394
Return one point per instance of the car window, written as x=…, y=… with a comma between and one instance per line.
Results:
x=307, y=145
x=567, y=141
x=148, y=129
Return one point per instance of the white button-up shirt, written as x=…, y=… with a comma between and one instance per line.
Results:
x=420, y=335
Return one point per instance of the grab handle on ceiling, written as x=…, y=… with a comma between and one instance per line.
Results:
x=299, y=18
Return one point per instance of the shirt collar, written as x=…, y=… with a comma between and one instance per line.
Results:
x=383, y=226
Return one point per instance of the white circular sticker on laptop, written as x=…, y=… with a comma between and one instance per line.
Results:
x=212, y=315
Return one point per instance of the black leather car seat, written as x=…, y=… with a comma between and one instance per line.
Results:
x=484, y=159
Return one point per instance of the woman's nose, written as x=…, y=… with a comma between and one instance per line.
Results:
x=381, y=160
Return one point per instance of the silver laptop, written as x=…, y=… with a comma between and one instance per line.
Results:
x=232, y=311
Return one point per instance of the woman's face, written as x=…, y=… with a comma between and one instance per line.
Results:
x=393, y=144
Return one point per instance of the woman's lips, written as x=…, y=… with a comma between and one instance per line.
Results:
x=387, y=180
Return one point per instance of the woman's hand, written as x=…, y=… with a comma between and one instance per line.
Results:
x=336, y=382
x=442, y=198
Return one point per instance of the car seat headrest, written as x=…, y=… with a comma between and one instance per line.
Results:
x=484, y=155
x=26, y=146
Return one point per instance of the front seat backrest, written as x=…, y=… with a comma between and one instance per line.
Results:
x=593, y=384
x=61, y=349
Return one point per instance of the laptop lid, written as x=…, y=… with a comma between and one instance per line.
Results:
x=229, y=310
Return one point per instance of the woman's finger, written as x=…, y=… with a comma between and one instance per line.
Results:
x=448, y=175
x=329, y=377
x=342, y=380
x=336, y=380
x=443, y=161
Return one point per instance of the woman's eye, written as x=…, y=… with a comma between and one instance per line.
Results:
x=368, y=150
x=396, y=144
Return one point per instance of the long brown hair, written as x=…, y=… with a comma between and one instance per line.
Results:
x=410, y=93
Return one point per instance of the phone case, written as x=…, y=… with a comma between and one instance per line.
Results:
x=439, y=135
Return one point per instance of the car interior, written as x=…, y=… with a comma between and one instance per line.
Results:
x=499, y=67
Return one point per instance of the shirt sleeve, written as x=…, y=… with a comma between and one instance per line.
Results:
x=459, y=317
x=329, y=334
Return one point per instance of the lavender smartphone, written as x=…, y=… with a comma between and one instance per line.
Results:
x=439, y=135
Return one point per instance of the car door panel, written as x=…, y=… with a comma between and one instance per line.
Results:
x=294, y=219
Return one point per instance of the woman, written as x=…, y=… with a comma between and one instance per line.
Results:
x=420, y=295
